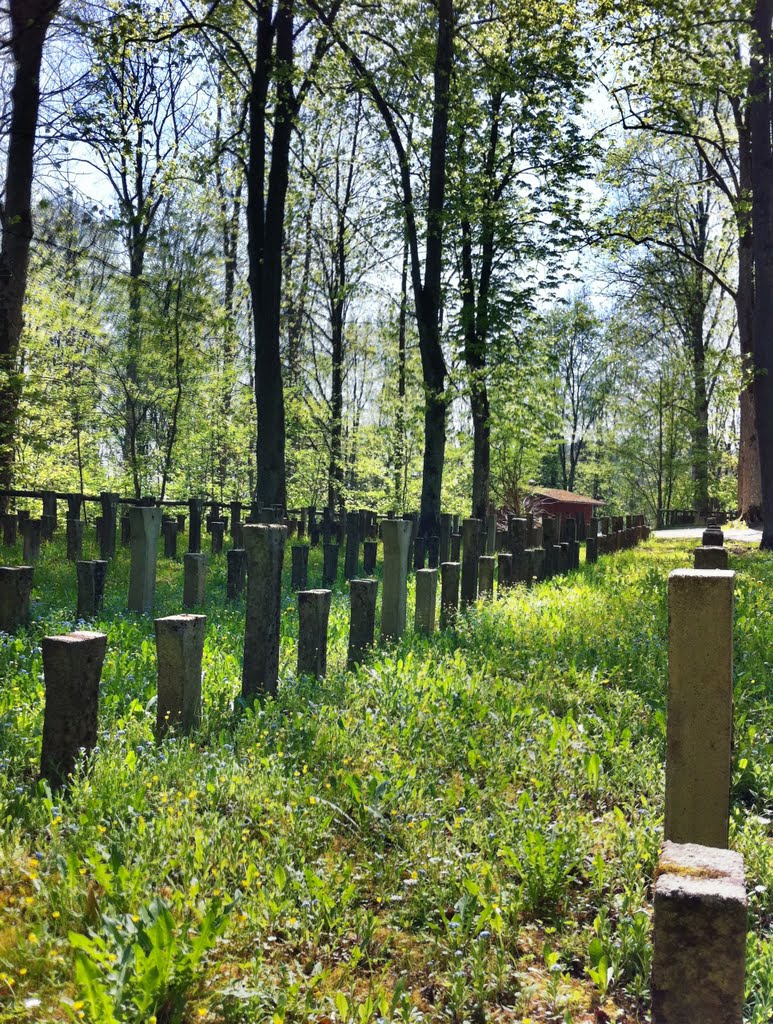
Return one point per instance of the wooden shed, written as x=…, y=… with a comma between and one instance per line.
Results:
x=552, y=501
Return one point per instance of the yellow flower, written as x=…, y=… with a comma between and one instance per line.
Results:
x=55, y=915
x=32, y=937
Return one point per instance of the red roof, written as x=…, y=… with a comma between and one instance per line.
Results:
x=555, y=494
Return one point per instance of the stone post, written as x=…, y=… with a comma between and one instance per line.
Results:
x=426, y=599
x=352, y=557
x=109, y=503
x=194, y=525
x=505, y=570
x=126, y=531
x=91, y=587
x=491, y=534
x=15, y=590
x=169, y=531
x=235, y=511
x=369, y=555
x=700, y=706
x=396, y=534
x=362, y=619
x=456, y=547
x=517, y=531
x=217, y=531
x=74, y=534
x=535, y=565
x=300, y=566
x=180, y=524
x=145, y=530
x=329, y=564
x=550, y=529
x=10, y=524
x=486, y=564
x=265, y=546
x=710, y=557
x=445, y=537
x=49, y=507
x=591, y=550
x=470, y=555
x=236, y=559
x=72, y=668
x=179, y=649
x=313, y=617
x=433, y=552
x=74, y=503
x=699, y=939
x=449, y=593
x=419, y=548
x=33, y=535
x=194, y=579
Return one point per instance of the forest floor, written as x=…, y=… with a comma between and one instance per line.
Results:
x=465, y=829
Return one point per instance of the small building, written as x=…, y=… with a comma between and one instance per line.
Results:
x=552, y=501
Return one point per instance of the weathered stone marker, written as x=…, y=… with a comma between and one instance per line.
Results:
x=445, y=537
x=700, y=706
x=126, y=531
x=109, y=503
x=329, y=564
x=32, y=532
x=449, y=593
x=145, y=530
x=74, y=535
x=313, y=617
x=369, y=555
x=236, y=559
x=265, y=545
x=486, y=566
x=517, y=534
x=72, y=667
x=179, y=648
x=396, y=534
x=362, y=619
x=169, y=530
x=15, y=590
x=491, y=534
x=470, y=555
x=194, y=524
x=217, y=532
x=300, y=576
x=352, y=557
x=426, y=600
x=505, y=569
x=10, y=525
x=194, y=579
x=592, y=550
x=91, y=587
x=710, y=557
x=456, y=547
x=699, y=941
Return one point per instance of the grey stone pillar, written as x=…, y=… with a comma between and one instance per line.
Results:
x=265, y=545
x=194, y=579
x=91, y=587
x=217, y=532
x=699, y=940
x=329, y=564
x=74, y=535
x=517, y=531
x=145, y=530
x=300, y=575
x=486, y=565
x=33, y=535
x=180, y=524
x=369, y=555
x=15, y=590
x=10, y=524
x=710, y=557
x=445, y=537
x=236, y=523
x=433, y=552
x=456, y=547
x=49, y=507
x=313, y=617
x=109, y=503
x=74, y=503
x=352, y=558
x=194, y=525
x=505, y=570
x=449, y=593
x=426, y=600
x=564, y=557
x=470, y=555
x=169, y=530
x=535, y=565
x=491, y=534
x=362, y=619
x=700, y=706
x=72, y=668
x=236, y=574
x=396, y=534
x=591, y=550
x=126, y=531
x=419, y=550
x=179, y=648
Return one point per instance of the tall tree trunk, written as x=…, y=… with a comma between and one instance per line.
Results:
x=699, y=429
x=761, y=122
x=475, y=358
x=336, y=468
x=401, y=444
x=29, y=23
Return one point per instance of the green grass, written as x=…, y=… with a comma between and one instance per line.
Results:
x=464, y=829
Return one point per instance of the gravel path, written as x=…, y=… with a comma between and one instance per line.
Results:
x=695, y=533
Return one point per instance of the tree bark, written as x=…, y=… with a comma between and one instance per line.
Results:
x=30, y=20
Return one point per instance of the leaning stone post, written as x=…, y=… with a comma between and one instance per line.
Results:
x=313, y=617
x=362, y=619
x=699, y=940
x=236, y=559
x=194, y=579
x=91, y=587
x=300, y=569
x=15, y=590
x=72, y=667
x=700, y=706
x=179, y=648
x=145, y=530
x=426, y=599
x=74, y=534
x=265, y=545
x=470, y=555
x=449, y=593
x=486, y=565
x=396, y=534
x=33, y=535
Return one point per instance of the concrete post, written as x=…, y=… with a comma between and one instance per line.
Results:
x=179, y=649
x=369, y=555
x=449, y=593
x=699, y=940
x=74, y=534
x=710, y=557
x=362, y=619
x=445, y=537
x=505, y=570
x=700, y=706
x=236, y=559
x=265, y=546
x=352, y=557
x=109, y=503
x=217, y=531
x=419, y=551
x=145, y=530
x=517, y=532
x=426, y=600
x=456, y=547
x=91, y=587
x=33, y=535
x=194, y=579
x=470, y=555
x=300, y=569
x=486, y=564
x=433, y=552
x=194, y=525
x=169, y=531
x=126, y=531
x=15, y=590
x=396, y=534
x=491, y=534
x=72, y=668
x=591, y=550
x=10, y=525
x=313, y=617
x=329, y=564
x=49, y=507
